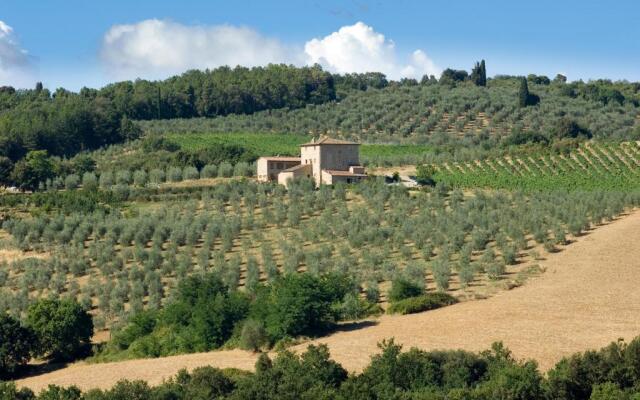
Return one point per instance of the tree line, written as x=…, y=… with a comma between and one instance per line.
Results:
x=610, y=373
x=64, y=123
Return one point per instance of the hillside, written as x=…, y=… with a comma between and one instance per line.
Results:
x=575, y=305
x=439, y=113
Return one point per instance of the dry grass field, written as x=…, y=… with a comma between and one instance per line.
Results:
x=586, y=298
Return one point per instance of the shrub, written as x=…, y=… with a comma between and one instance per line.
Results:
x=190, y=173
x=495, y=269
x=208, y=383
x=300, y=304
x=156, y=176
x=403, y=289
x=607, y=391
x=71, y=182
x=225, y=170
x=174, y=174
x=209, y=171
x=123, y=177
x=89, y=181
x=140, y=178
x=253, y=335
x=429, y=301
x=54, y=392
x=9, y=391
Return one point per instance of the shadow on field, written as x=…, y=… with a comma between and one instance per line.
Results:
x=39, y=369
x=354, y=326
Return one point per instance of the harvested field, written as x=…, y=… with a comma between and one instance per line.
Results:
x=587, y=298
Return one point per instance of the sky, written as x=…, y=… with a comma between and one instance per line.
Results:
x=76, y=43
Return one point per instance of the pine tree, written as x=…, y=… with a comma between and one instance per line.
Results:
x=523, y=93
x=483, y=73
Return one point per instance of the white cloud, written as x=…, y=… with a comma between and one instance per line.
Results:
x=155, y=48
x=15, y=63
x=158, y=48
x=359, y=48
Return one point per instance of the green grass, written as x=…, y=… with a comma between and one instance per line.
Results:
x=270, y=144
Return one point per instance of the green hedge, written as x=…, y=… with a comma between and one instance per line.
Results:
x=429, y=301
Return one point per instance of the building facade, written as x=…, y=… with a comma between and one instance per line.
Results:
x=327, y=160
x=268, y=168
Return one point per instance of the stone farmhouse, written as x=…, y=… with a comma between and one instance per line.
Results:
x=328, y=161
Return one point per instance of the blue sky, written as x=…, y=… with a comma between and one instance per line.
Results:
x=71, y=43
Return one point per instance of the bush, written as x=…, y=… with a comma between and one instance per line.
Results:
x=190, y=173
x=156, y=176
x=89, y=181
x=209, y=171
x=607, y=391
x=225, y=170
x=9, y=391
x=300, y=304
x=63, y=327
x=174, y=174
x=253, y=335
x=201, y=317
x=208, y=383
x=140, y=178
x=71, y=182
x=403, y=289
x=429, y=301
x=53, y=392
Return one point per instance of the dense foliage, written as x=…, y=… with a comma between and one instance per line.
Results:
x=56, y=329
x=63, y=328
x=611, y=373
x=65, y=123
x=16, y=345
x=204, y=314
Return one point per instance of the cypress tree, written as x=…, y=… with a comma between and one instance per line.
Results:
x=523, y=93
x=479, y=74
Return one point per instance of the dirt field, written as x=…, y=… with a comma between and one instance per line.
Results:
x=587, y=298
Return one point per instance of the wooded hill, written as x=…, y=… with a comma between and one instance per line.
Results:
x=459, y=108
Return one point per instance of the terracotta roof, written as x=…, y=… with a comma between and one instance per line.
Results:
x=342, y=173
x=295, y=168
x=327, y=140
x=277, y=158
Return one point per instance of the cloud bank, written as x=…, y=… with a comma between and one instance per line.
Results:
x=359, y=48
x=155, y=48
x=15, y=63
x=159, y=48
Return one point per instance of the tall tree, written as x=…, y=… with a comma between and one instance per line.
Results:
x=523, y=93
x=483, y=73
x=479, y=74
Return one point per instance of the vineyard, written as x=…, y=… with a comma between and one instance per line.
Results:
x=592, y=166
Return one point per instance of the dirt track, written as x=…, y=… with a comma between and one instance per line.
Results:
x=587, y=298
